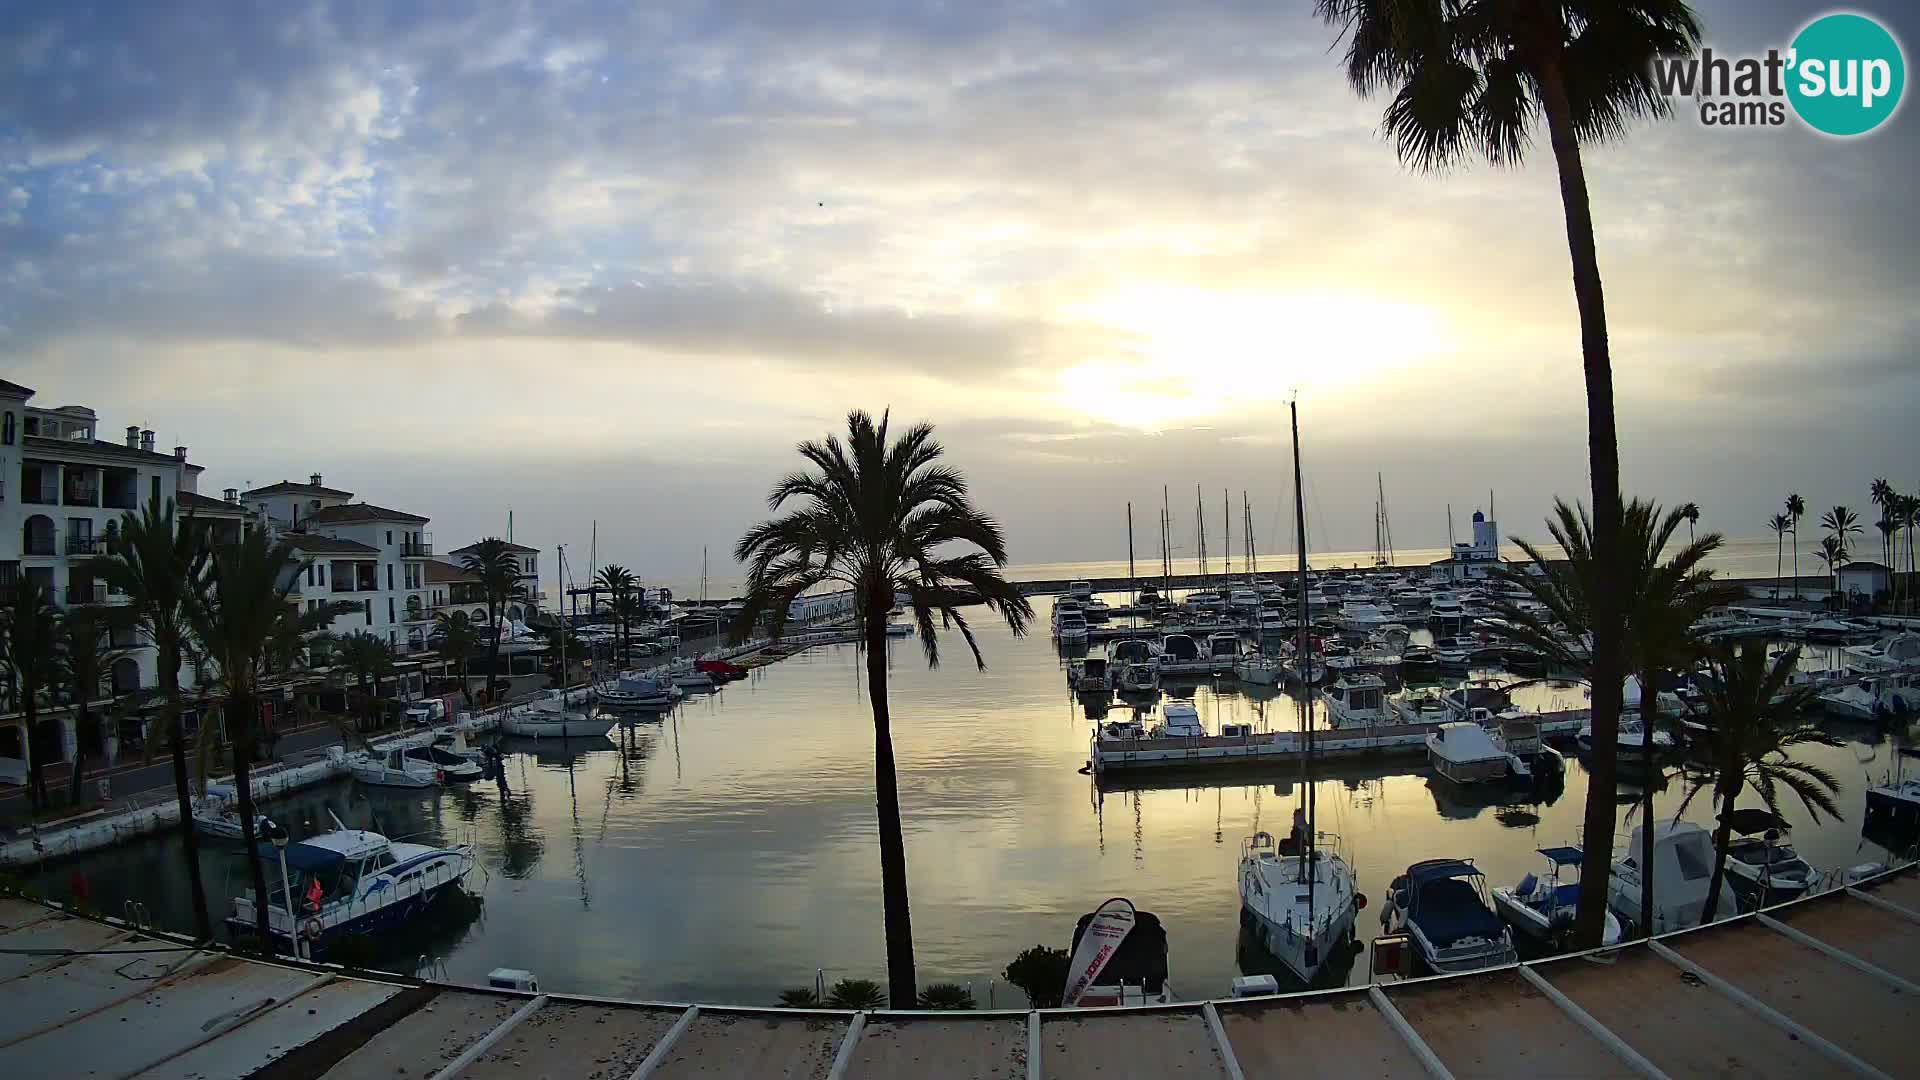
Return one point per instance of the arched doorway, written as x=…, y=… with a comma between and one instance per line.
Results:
x=37, y=536
x=126, y=675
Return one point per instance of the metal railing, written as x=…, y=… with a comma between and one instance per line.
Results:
x=85, y=545
x=96, y=593
x=42, y=497
x=421, y=548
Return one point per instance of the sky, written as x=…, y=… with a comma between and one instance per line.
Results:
x=609, y=262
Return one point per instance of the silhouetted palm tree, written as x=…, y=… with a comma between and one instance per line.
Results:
x=160, y=564
x=619, y=583
x=31, y=652
x=1754, y=718
x=1663, y=598
x=1884, y=497
x=1796, y=509
x=455, y=637
x=1834, y=556
x=497, y=570
x=1779, y=523
x=88, y=655
x=1910, y=520
x=236, y=620
x=881, y=519
x=1472, y=79
x=368, y=658
x=1691, y=511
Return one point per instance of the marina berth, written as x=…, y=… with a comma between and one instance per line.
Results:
x=348, y=881
x=1444, y=907
x=1299, y=902
x=1542, y=907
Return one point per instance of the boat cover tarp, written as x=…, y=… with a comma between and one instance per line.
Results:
x=1448, y=909
x=1752, y=819
x=1565, y=856
x=305, y=857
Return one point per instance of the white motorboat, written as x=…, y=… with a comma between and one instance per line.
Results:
x=1763, y=871
x=1517, y=733
x=1180, y=655
x=638, y=692
x=549, y=719
x=1089, y=676
x=1443, y=905
x=1223, y=650
x=685, y=676
x=1299, y=899
x=1374, y=658
x=1129, y=651
x=1665, y=702
x=449, y=767
x=1361, y=615
x=350, y=881
x=1080, y=590
x=1543, y=907
x=1065, y=606
x=1356, y=700
x=1683, y=874
x=1895, y=651
x=391, y=768
x=1464, y=753
x=1875, y=697
x=1422, y=707
x=1243, y=599
x=1180, y=720
x=1632, y=739
x=1271, y=622
x=1138, y=678
x=1259, y=669
x=1897, y=801
x=216, y=813
x=1130, y=967
x=1098, y=611
x=1446, y=611
x=1832, y=631
x=1071, y=630
x=1206, y=600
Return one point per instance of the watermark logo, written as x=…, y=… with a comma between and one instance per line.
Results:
x=1843, y=75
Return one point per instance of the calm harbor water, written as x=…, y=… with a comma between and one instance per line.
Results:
x=727, y=851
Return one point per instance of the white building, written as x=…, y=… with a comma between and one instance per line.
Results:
x=1474, y=561
x=529, y=562
x=370, y=556
x=1861, y=581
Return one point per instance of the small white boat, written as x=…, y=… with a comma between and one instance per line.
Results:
x=549, y=719
x=1138, y=678
x=1134, y=971
x=1897, y=801
x=1080, y=590
x=1875, y=697
x=449, y=767
x=1683, y=874
x=1464, y=753
x=1258, y=669
x=1303, y=929
x=638, y=692
x=1901, y=650
x=217, y=814
x=1180, y=655
x=1098, y=611
x=391, y=768
x=1180, y=720
x=1632, y=738
x=1763, y=871
x=1443, y=905
x=1223, y=650
x=1356, y=700
x=1543, y=907
x=1423, y=707
x=1071, y=629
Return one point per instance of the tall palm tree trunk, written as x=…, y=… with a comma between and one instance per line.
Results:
x=169, y=664
x=1649, y=711
x=1796, y=558
x=241, y=708
x=893, y=845
x=1722, y=836
x=36, y=743
x=82, y=721
x=1779, y=554
x=1603, y=460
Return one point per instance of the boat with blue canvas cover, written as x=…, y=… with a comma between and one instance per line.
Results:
x=1442, y=904
x=1542, y=907
x=348, y=881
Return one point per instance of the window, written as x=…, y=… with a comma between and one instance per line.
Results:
x=323, y=573
x=367, y=607
x=383, y=860
x=393, y=637
x=309, y=573
x=389, y=537
x=389, y=606
x=389, y=569
x=6, y=430
x=156, y=489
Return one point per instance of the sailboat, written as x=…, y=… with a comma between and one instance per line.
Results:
x=1298, y=894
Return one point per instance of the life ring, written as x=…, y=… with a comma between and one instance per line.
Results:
x=314, y=929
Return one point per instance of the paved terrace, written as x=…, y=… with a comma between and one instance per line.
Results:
x=1825, y=986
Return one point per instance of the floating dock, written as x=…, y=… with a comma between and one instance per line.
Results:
x=1821, y=986
x=1112, y=755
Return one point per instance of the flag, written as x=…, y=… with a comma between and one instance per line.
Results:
x=1110, y=925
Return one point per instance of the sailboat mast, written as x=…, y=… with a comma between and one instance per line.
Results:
x=1305, y=654
x=1253, y=556
x=1166, y=557
x=1200, y=523
x=1226, y=519
x=1130, y=582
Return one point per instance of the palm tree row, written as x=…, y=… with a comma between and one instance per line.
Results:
x=1899, y=513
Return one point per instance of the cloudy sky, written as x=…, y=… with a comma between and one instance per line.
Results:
x=609, y=261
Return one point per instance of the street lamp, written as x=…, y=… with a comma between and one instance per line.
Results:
x=278, y=834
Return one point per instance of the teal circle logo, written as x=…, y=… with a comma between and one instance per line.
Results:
x=1846, y=74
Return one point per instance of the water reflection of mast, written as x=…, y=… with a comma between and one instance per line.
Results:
x=579, y=849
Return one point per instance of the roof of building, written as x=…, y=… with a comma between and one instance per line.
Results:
x=95, y=446
x=14, y=389
x=327, y=545
x=511, y=546
x=287, y=487
x=202, y=504
x=442, y=573
x=352, y=512
x=1867, y=565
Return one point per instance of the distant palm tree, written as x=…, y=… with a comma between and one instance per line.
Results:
x=1889, y=530
x=88, y=655
x=881, y=519
x=1883, y=497
x=456, y=638
x=1691, y=511
x=1473, y=80
x=1779, y=523
x=1754, y=717
x=31, y=651
x=618, y=582
x=1910, y=519
x=1664, y=597
x=368, y=658
x=1842, y=525
x=1834, y=555
x=1796, y=509
x=160, y=564
x=236, y=621
x=497, y=571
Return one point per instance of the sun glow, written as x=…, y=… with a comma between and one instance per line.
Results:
x=1198, y=353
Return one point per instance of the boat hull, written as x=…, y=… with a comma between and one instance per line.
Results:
x=531, y=728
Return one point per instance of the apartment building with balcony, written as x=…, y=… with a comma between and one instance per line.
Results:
x=373, y=557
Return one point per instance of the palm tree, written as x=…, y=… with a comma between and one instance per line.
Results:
x=88, y=654
x=1663, y=598
x=1779, y=523
x=1843, y=524
x=881, y=519
x=618, y=582
x=628, y=609
x=236, y=621
x=160, y=564
x=1473, y=79
x=454, y=636
x=1690, y=511
x=1889, y=530
x=497, y=571
x=367, y=658
x=1910, y=519
x=1754, y=717
x=1834, y=554
x=31, y=650
x=1883, y=497
x=1796, y=509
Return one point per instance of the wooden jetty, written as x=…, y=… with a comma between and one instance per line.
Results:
x=1820, y=986
x=1212, y=751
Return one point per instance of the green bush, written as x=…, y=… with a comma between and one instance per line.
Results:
x=1041, y=974
x=803, y=998
x=856, y=994
x=947, y=996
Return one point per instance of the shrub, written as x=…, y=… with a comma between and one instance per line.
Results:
x=948, y=996
x=856, y=994
x=1041, y=974
x=803, y=998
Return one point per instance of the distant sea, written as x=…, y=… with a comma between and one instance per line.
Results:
x=1749, y=558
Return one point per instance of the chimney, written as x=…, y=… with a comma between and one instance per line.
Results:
x=146, y=440
x=232, y=495
x=133, y=436
x=179, y=453
x=314, y=479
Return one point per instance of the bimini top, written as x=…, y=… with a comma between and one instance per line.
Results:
x=305, y=857
x=1438, y=869
x=1563, y=856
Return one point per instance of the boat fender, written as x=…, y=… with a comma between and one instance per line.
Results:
x=1359, y=901
x=313, y=929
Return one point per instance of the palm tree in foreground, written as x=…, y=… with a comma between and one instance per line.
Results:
x=31, y=651
x=1472, y=79
x=158, y=562
x=1796, y=509
x=237, y=621
x=86, y=644
x=881, y=519
x=1779, y=523
x=497, y=570
x=1755, y=717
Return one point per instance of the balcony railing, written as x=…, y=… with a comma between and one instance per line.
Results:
x=86, y=545
x=82, y=496
x=40, y=497
x=95, y=593
x=412, y=549
x=43, y=544
x=9, y=573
